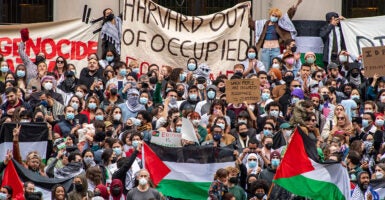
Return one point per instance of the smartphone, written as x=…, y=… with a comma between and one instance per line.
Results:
x=49, y=113
x=120, y=85
x=76, y=121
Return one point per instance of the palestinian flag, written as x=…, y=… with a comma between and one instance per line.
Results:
x=192, y=169
x=16, y=174
x=32, y=137
x=308, y=38
x=301, y=174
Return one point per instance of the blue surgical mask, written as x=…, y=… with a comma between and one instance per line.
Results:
x=75, y=106
x=251, y=55
x=265, y=96
x=92, y=106
x=178, y=129
x=193, y=97
x=109, y=58
x=211, y=94
x=273, y=19
x=123, y=72
x=117, y=150
x=365, y=123
x=143, y=100
x=294, y=100
x=355, y=97
x=275, y=162
x=191, y=66
x=20, y=73
x=4, y=69
x=266, y=132
x=70, y=116
x=99, y=117
x=252, y=164
x=221, y=125
x=182, y=77
x=135, y=143
x=136, y=70
x=379, y=122
x=274, y=113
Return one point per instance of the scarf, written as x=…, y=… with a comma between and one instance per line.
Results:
x=358, y=194
x=70, y=170
x=112, y=33
x=356, y=81
x=133, y=104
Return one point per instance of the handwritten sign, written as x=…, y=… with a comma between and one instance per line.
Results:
x=168, y=139
x=374, y=60
x=240, y=90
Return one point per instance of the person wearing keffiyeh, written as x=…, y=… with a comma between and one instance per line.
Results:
x=111, y=32
x=131, y=106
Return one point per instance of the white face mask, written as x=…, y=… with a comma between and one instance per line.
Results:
x=143, y=181
x=117, y=117
x=379, y=175
x=48, y=86
x=79, y=94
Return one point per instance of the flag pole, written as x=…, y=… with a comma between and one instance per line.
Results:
x=271, y=189
x=143, y=161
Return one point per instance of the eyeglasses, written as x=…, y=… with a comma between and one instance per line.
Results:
x=60, y=61
x=340, y=118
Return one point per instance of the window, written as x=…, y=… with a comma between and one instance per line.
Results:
x=26, y=11
x=362, y=8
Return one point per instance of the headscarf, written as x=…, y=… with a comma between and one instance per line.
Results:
x=247, y=161
x=298, y=93
x=114, y=183
x=349, y=104
x=103, y=191
x=133, y=101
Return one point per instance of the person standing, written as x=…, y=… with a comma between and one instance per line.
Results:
x=332, y=37
x=143, y=190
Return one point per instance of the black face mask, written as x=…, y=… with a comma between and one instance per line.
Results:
x=180, y=93
x=114, y=160
x=78, y=187
x=39, y=59
x=222, y=89
x=115, y=191
x=114, y=91
x=97, y=194
x=355, y=75
x=39, y=119
x=233, y=180
x=68, y=82
x=293, y=49
x=243, y=134
x=269, y=146
x=259, y=195
x=109, y=17
x=153, y=80
x=325, y=97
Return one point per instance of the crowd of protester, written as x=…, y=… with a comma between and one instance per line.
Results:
x=99, y=117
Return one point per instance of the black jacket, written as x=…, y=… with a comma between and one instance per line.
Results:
x=324, y=34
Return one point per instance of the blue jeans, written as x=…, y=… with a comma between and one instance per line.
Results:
x=267, y=56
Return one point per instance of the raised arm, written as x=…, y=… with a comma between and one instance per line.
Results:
x=292, y=10
x=29, y=65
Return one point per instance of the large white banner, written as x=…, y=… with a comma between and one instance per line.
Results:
x=154, y=34
x=363, y=32
x=72, y=39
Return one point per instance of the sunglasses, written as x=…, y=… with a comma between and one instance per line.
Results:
x=319, y=76
x=205, y=70
x=313, y=120
x=340, y=118
x=296, y=86
x=60, y=61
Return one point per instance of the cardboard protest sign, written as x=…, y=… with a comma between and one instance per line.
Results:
x=155, y=34
x=374, y=60
x=168, y=139
x=240, y=90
